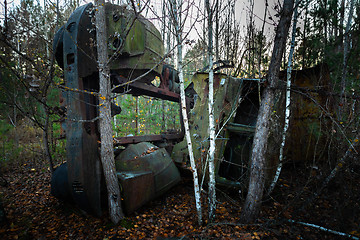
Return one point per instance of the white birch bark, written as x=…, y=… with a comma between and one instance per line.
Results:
x=178, y=36
x=106, y=151
x=212, y=191
x=217, y=35
x=287, y=100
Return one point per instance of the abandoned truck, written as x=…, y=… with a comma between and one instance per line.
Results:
x=148, y=165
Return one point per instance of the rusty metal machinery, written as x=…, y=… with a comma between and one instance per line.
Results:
x=136, y=50
x=146, y=170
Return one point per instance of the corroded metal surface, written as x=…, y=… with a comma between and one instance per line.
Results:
x=84, y=172
x=137, y=88
x=148, y=138
x=309, y=132
x=146, y=165
x=134, y=47
x=310, y=128
x=135, y=41
x=138, y=188
x=226, y=92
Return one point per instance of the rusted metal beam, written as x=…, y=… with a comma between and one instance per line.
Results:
x=138, y=88
x=147, y=138
x=240, y=128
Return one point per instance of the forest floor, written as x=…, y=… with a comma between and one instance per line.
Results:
x=32, y=213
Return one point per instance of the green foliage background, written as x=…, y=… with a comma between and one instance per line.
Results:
x=149, y=116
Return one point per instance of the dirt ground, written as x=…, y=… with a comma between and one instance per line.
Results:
x=32, y=213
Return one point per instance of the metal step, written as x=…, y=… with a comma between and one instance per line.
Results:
x=240, y=128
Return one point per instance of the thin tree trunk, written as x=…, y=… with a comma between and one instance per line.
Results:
x=5, y=18
x=251, y=41
x=44, y=91
x=261, y=47
x=325, y=27
x=204, y=37
x=304, y=34
x=335, y=23
x=178, y=33
x=262, y=34
x=47, y=116
x=46, y=36
x=287, y=101
x=212, y=191
x=252, y=203
x=341, y=30
x=227, y=36
x=106, y=151
x=217, y=35
x=345, y=56
x=58, y=15
x=46, y=140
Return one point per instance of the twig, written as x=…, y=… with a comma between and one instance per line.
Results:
x=83, y=121
x=339, y=165
x=324, y=229
x=328, y=115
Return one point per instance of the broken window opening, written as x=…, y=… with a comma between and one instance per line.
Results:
x=142, y=115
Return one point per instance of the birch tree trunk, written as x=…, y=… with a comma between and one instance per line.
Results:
x=178, y=33
x=212, y=191
x=287, y=100
x=252, y=203
x=106, y=152
x=217, y=34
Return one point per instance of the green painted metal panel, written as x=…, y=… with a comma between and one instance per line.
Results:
x=135, y=41
x=226, y=93
x=146, y=159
